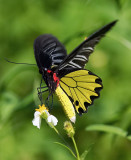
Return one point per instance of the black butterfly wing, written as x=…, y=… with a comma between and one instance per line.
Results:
x=80, y=56
x=49, y=52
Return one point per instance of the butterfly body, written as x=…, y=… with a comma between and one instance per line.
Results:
x=65, y=74
x=49, y=53
x=51, y=79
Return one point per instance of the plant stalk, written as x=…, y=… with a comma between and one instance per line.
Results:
x=77, y=152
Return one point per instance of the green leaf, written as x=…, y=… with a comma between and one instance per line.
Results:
x=109, y=129
x=66, y=148
x=84, y=154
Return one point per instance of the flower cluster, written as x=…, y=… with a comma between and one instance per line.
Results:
x=43, y=112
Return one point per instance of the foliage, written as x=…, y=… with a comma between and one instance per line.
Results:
x=70, y=21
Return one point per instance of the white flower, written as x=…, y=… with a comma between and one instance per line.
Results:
x=42, y=112
x=37, y=119
x=52, y=120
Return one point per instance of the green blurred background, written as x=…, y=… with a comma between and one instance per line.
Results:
x=70, y=21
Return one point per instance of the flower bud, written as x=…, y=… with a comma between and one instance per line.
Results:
x=69, y=128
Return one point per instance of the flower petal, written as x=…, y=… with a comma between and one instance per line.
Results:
x=37, y=114
x=52, y=119
x=37, y=119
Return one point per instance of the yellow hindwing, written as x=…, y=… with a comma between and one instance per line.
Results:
x=82, y=87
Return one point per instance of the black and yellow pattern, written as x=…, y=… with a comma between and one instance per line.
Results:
x=65, y=75
x=82, y=87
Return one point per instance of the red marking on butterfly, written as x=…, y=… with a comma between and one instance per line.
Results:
x=55, y=78
x=49, y=71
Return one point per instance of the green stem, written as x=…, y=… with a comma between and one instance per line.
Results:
x=56, y=130
x=77, y=153
x=62, y=139
x=50, y=124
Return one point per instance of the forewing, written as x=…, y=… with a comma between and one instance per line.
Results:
x=49, y=52
x=82, y=87
x=79, y=57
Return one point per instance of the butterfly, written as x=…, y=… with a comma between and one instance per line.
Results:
x=65, y=75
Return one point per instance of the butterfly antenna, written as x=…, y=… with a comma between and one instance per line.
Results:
x=18, y=63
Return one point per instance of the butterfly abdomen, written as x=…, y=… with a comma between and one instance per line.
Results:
x=66, y=103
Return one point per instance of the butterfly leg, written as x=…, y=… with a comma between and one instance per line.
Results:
x=39, y=88
x=40, y=91
x=47, y=99
x=52, y=101
x=40, y=95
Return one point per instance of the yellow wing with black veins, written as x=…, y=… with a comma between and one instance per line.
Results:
x=82, y=87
